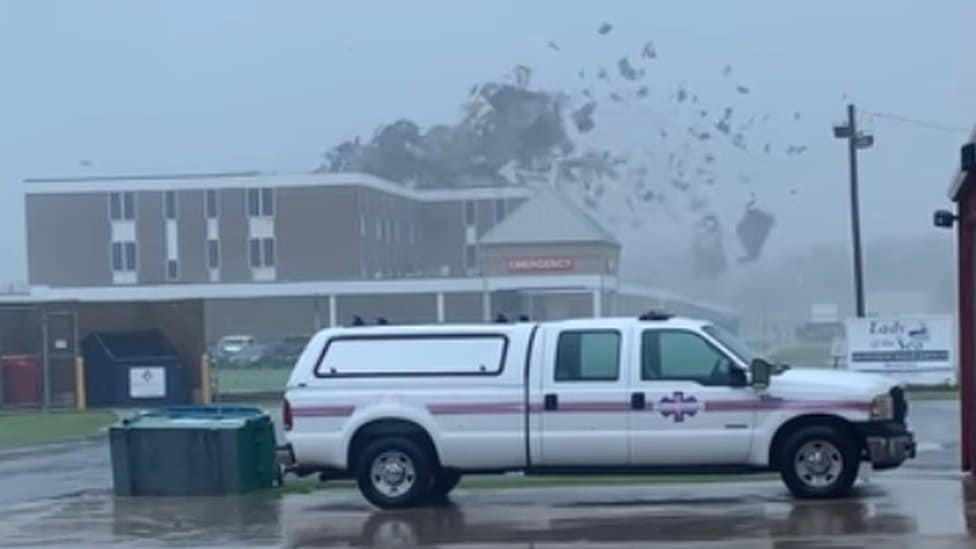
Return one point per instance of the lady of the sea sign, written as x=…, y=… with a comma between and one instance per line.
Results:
x=916, y=349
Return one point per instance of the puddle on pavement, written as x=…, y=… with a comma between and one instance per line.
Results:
x=901, y=513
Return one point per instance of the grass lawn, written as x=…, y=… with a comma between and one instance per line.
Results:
x=932, y=394
x=804, y=356
x=310, y=484
x=18, y=429
x=251, y=380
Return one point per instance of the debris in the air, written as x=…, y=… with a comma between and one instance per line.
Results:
x=682, y=95
x=694, y=99
x=703, y=113
x=796, y=115
x=648, y=51
x=616, y=97
x=767, y=148
x=727, y=70
x=664, y=135
x=753, y=230
x=583, y=117
x=602, y=75
x=792, y=191
x=643, y=91
x=553, y=46
x=709, y=252
x=474, y=90
x=523, y=75
x=582, y=73
x=627, y=70
x=794, y=150
x=709, y=158
x=588, y=93
x=605, y=28
x=742, y=89
x=739, y=141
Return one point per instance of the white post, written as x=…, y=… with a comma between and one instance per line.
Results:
x=333, y=321
x=486, y=306
x=440, y=306
x=597, y=303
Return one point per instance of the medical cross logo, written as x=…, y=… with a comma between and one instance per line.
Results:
x=678, y=406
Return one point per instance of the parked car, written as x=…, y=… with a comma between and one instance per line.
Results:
x=254, y=355
x=285, y=353
x=406, y=410
x=230, y=345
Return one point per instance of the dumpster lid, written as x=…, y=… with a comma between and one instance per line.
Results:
x=198, y=417
x=134, y=345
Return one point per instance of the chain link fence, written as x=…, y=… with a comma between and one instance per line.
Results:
x=38, y=355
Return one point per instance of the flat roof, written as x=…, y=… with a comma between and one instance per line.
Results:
x=176, y=292
x=236, y=180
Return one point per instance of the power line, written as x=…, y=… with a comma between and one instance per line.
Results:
x=919, y=123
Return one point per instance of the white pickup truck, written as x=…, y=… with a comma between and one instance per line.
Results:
x=406, y=410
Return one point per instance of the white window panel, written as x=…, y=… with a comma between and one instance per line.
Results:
x=123, y=231
x=261, y=227
x=214, y=275
x=172, y=240
x=123, y=277
x=212, y=230
x=263, y=274
x=470, y=234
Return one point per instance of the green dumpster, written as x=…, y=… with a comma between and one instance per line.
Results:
x=194, y=450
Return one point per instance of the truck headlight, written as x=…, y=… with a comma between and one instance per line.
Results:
x=882, y=408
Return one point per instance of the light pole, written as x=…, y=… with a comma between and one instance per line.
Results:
x=855, y=140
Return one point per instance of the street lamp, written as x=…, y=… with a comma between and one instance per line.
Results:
x=855, y=140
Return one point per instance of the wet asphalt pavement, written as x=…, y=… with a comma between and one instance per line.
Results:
x=61, y=495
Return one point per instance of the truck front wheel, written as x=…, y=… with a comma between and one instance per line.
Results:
x=819, y=462
x=394, y=473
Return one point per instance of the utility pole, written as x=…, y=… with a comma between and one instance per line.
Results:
x=855, y=140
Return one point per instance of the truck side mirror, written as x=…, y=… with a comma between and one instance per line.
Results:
x=761, y=371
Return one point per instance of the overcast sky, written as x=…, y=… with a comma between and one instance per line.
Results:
x=149, y=87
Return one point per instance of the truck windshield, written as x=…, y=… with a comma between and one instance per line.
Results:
x=732, y=342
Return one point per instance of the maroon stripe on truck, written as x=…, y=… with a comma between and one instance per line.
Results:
x=778, y=404
x=610, y=406
x=322, y=411
x=477, y=408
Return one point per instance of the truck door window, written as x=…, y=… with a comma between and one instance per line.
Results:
x=588, y=356
x=681, y=355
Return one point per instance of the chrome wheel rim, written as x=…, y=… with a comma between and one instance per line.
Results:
x=818, y=463
x=393, y=473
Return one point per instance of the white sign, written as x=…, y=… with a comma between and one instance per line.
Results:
x=915, y=349
x=147, y=382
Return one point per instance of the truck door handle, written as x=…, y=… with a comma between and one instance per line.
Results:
x=637, y=401
x=551, y=402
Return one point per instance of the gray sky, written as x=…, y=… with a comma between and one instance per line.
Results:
x=137, y=87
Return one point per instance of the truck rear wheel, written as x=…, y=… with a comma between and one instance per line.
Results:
x=819, y=462
x=394, y=473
